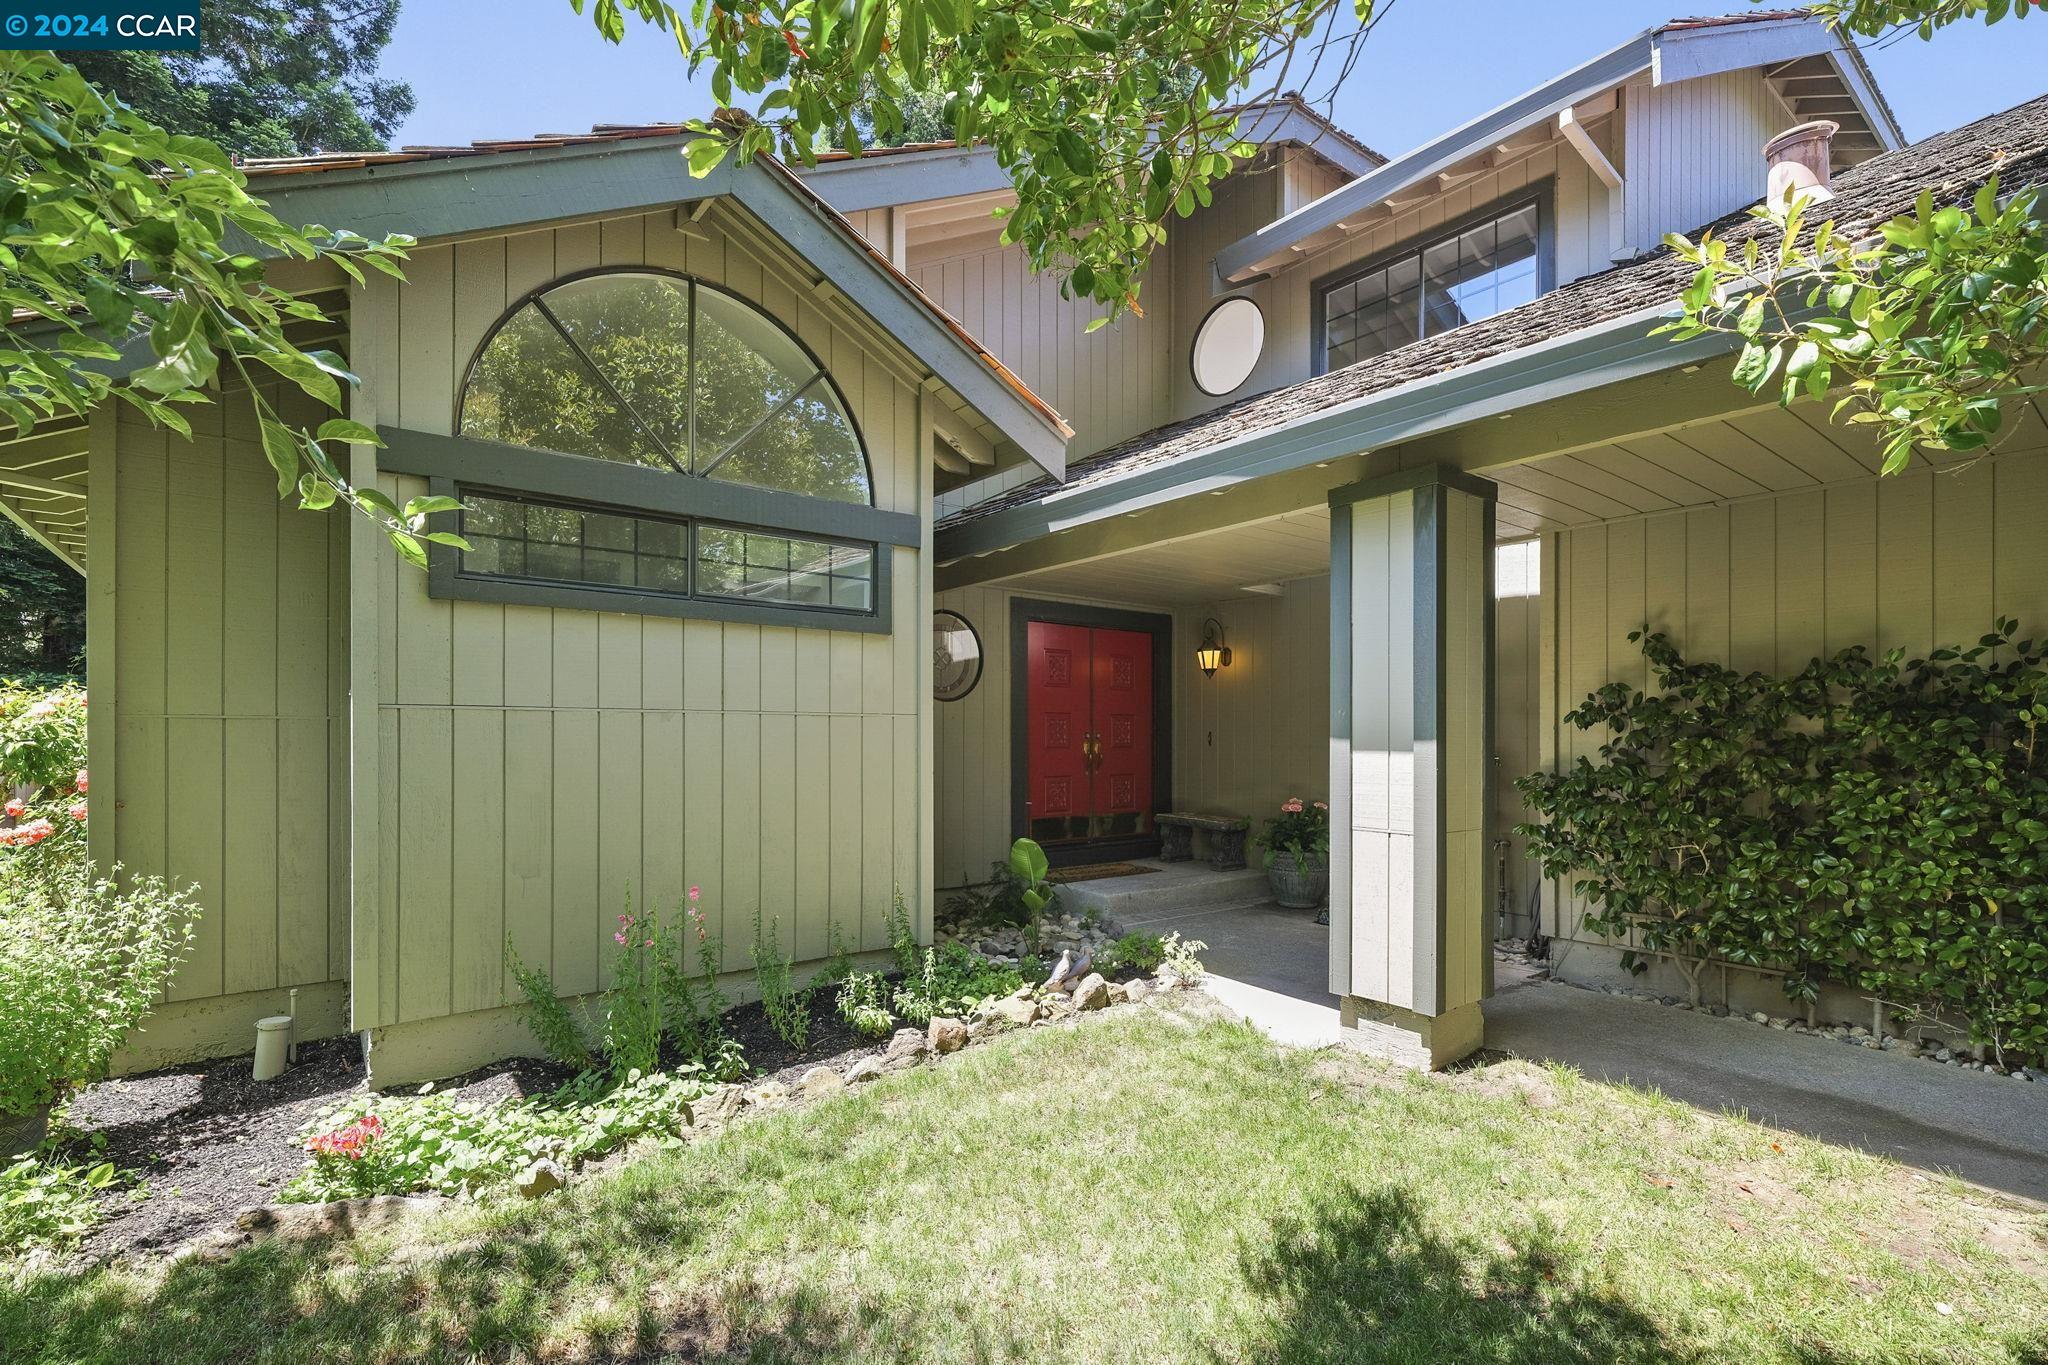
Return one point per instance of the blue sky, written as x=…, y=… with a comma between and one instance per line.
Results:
x=508, y=68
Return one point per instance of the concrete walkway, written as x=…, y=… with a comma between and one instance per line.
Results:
x=1269, y=965
x=1991, y=1130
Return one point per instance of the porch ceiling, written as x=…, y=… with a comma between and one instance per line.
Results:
x=1211, y=567
x=1745, y=455
x=43, y=487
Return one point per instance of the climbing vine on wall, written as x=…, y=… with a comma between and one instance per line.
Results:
x=1877, y=822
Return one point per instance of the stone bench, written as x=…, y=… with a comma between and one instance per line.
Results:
x=1226, y=834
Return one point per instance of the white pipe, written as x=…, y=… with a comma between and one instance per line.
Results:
x=273, y=1040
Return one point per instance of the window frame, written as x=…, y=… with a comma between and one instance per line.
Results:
x=1542, y=194
x=691, y=283
x=446, y=578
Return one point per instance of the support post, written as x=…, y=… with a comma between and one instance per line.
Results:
x=1411, y=707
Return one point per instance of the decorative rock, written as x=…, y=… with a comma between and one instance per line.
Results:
x=908, y=1042
x=1092, y=993
x=865, y=1070
x=1016, y=1011
x=542, y=1177
x=1117, y=994
x=718, y=1106
x=821, y=1080
x=1136, y=991
x=947, y=1035
x=767, y=1095
x=1759, y=1018
x=1944, y=1055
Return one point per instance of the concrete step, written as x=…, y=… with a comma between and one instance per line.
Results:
x=1175, y=888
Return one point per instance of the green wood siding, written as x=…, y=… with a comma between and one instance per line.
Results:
x=218, y=741
x=538, y=763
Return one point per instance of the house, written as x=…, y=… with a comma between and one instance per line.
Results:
x=1394, y=431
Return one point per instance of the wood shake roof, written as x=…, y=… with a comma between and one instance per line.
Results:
x=2014, y=144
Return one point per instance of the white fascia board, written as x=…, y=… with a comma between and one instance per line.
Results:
x=1687, y=54
x=1248, y=255
x=1283, y=123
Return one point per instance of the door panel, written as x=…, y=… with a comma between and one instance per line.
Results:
x=1122, y=707
x=1057, y=803
x=1089, y=733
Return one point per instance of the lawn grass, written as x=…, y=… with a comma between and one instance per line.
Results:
x=1147, y=1187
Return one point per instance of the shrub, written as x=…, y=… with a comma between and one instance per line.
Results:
x=1180, y=958
x=693, y=1007
x=82, y=961
x=1006, y=898
x=952, y=980
x=787, y=1007
x=860, y=1004
x=1874, y=822
x=377, y=1144
x=1134, y=952
x=1302, y=829
x=46, y=1204
x=651, y=1001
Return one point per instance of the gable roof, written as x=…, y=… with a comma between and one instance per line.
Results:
x=883, y=177
x=437, y=192
x=1680, y=49
x=1556, y=343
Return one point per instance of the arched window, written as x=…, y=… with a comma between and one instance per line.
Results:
x=677, y=386
x=662, y=371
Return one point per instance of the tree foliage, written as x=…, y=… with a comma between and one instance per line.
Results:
x=1930, y=328
x=1110, y=116
x=42, y=610
x=1871, y=821
x=1872, y=18
x=121, y=237
x=1931, y=325
x=276, y=77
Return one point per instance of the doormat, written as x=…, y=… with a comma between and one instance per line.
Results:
x=1095, y=872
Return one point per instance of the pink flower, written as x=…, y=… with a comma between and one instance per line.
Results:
x=35, y=831
x=81, y=782
x=648, y=944
x=696, y=893
x=1292, y=806
x=15, y=809
x=78, y=810
x=620, y=938
x=1322, y=805
x=625, y=919
x=352, y=1141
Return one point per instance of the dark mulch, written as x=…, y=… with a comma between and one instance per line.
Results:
x=199, y=1142
x=204, y=1140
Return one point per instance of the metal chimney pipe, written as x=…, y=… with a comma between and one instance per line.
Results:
x=1798, y=162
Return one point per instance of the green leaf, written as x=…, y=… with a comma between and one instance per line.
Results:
x=348, y=432
x=281, y=448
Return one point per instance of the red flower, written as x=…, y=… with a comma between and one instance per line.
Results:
x=78, y=810
x=15, y=809
x=796, y=48
x=35, y=831
x=81, y=781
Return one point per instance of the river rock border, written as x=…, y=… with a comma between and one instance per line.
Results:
x=1937, y=1050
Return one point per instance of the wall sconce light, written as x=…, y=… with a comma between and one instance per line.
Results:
x=1213, y=654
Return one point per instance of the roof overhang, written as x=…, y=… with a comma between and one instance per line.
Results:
x=1665, y=55
x=890, y=177
x=1606, y=353
x=458, y=197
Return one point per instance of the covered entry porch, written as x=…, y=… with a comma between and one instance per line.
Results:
x=1240, y=733
x=1751, y=535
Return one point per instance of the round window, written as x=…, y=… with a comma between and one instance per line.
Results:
x=956, y=656
x=1227, y=345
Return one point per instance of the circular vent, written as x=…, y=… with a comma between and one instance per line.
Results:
x=1227, y=345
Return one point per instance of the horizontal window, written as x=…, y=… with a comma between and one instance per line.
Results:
x=525, y=540
x=1433, y=286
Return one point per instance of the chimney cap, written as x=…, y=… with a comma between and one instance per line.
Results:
x=1818, y=130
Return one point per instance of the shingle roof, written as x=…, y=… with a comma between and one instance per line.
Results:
x=1952, y=164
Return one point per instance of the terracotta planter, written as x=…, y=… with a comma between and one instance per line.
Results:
x=1298, y=884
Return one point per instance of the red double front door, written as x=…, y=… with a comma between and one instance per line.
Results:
x=1088, y=704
